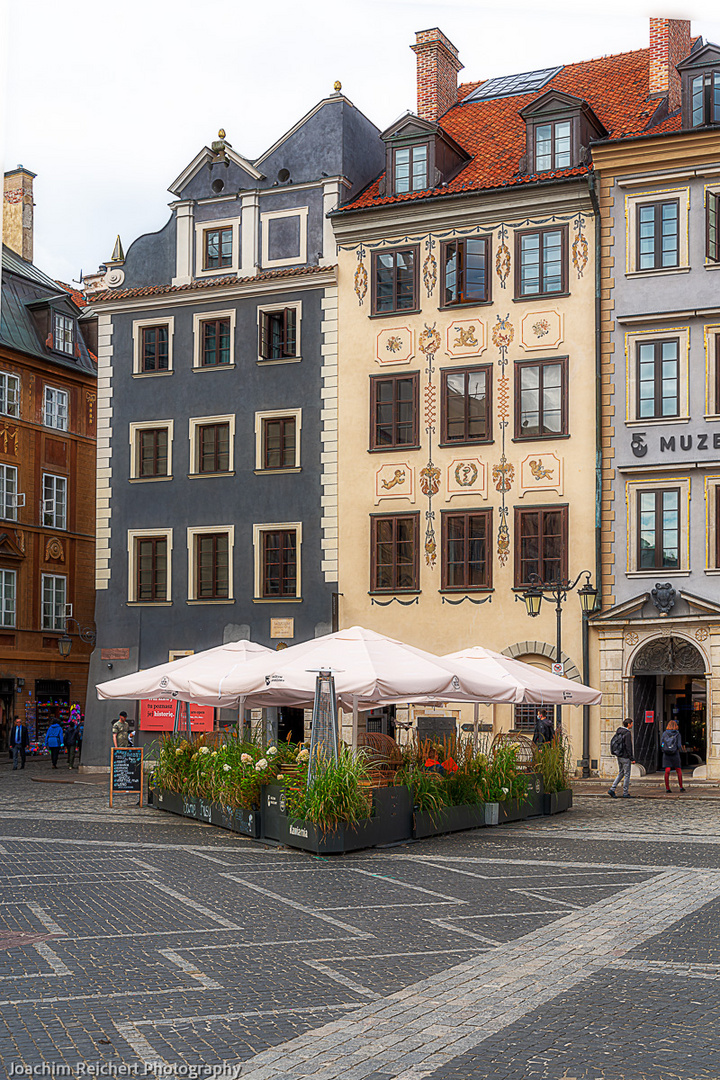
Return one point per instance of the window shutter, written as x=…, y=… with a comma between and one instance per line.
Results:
x=264, y=344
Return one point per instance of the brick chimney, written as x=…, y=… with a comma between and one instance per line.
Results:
x=437, y=72
x=18, y=212
x=669, y=44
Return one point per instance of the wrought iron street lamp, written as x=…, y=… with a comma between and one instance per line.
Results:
x=85, y=633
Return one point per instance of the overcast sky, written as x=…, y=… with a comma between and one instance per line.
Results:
x=107, y=103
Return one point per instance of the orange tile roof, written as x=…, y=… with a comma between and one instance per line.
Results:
x=206, y=283
x=77, y=297
x=493, y=132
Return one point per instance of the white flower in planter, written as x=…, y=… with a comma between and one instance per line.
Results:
x=280, y=776
x=226, y=768
x=178, y=752
x=262, y=764
x=303, y=755
x=506, y=791
x=204, y=750
x=246, y=759
x=271, y=751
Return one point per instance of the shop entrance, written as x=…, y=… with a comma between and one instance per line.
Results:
x=669, y=684
x=291, y=725
x=7, y=700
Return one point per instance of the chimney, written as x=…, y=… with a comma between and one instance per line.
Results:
x=669, y=44
x=437, y=72
x=18, y=212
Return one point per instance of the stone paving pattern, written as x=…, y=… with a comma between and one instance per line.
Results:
x=575, y=948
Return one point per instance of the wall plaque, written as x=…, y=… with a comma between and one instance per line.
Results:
x=282, y=628
x=114, y=654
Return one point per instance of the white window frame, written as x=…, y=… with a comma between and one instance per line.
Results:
x=201, y=227
x=632, y=339
x=192, y=576
x=138, y=327
x=60, y=340
x=632, y=490
x=8, y=611
x=59, y=609
x=199, y=318
x=276, y=414
x=274, y=215
x=133, y=536
x=9, y=394
x=258, y=530
x=682, y=194
x=134, y=430
x=58, y=517
x=52, y=408
x=196, y=422
x=269, y=309
x=8, y=492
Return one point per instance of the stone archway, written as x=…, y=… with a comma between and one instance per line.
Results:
x=668, y=683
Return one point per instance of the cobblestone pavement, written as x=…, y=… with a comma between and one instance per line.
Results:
x=575, y=948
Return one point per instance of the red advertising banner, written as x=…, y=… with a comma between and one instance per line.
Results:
x=159, y=715
x=649, y=717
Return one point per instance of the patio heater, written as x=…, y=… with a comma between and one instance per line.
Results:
x=324, y=737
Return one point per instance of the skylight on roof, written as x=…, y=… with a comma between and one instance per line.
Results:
x=508, y=85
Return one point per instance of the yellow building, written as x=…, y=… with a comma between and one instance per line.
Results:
x=467, y=358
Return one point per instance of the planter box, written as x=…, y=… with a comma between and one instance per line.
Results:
x=190, y=806
x=512, y=810
x=275, y=825
x=204, y=811
x=310, y=837
x=558, y=802
x=171, y=801
x=534, y=797
x=449, y=819
x=391, y=823
x=392, y=814
x=237, y=819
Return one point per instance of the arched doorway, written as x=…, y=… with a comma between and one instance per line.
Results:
x=669, y=684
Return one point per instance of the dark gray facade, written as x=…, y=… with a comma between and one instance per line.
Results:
x=164, y=584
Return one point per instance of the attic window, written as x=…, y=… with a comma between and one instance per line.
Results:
x=63, y=333
x=509, y=85
x=411, y=168
x=705, y=98
x=553, y=146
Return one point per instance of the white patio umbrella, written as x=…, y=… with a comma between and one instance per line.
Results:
x=537, y=687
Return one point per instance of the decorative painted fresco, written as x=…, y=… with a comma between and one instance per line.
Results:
x=395, y=480
x=395, y=345
x=541, y=472
x=502, y=257
x=466, y=337
x=360, y=283
x=503, y=333
x=466, y=476
x=429, y=342
x=541, y=330
x=580, y=246
x=430, y=269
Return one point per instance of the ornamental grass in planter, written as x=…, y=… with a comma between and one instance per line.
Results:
x=554, y=765
x=339, y=794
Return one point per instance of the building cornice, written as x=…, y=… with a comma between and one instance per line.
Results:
x=658, y=150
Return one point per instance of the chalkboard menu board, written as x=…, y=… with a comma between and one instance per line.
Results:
x=126, y=771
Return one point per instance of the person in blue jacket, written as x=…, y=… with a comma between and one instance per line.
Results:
x=54, y=742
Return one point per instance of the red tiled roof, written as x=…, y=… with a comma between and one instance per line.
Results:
x=77, y=297
x=209, y=283
x=493, y=132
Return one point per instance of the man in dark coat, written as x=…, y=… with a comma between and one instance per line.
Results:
x=543, y=728
x=624, y=755
x=19, y=741
x=72, y=739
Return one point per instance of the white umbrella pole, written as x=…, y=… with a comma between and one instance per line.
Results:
x=476, y=724
x=355, y=722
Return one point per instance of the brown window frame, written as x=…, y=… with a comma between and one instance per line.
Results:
x=217, y=592
x=525, y=511
x=288, y=335
x=712, y=210
x=203, y=350
x=158, y=590
x=290, y=421
x=540, y=122
x=156, y=349
x=375, y=521
x=659, y=531
x=542, y=293
x=445, y=516
x=461, y=248
x=223, y=260
x=657, y=206
x=283, y=594
x=466, y=440
x=395, y=310
x=412, y=148
x=154, y=433
x=657, y=379
x=214, y=452
x=520, y=435
x=375, y=380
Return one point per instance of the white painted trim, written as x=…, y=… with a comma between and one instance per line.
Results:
x=202, y=158
x=133, y=430
x=137, y=327
x=147, y=534
x=201, y=227
x=258, y=530
x=196, y=422
x=682, y=194
x=331, y=201
x=275, y=215
x=103, y=484
x=204, y=316
x=296, y=305
x=200, y=530
x=329, y=436
x=184, y=214
x=249, y=234
x=276, y=414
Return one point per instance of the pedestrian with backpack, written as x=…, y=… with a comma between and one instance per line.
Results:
x=621, y=747
x=671, y=744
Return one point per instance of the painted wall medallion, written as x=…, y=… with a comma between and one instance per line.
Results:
x=430, y=273
x=702, y=634
x=503, y=333
x=541, y=330
x=466, y=476
x=395, y=480
x=395, y=345
x=466, y=337
x=541, y=472
x=631, y=638
x=54, y=550
x=430, y=480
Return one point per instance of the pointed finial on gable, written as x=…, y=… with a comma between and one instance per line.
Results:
x=118, y=254
x=337, y=87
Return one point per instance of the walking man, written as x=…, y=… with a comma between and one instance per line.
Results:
x=72, y=738
x=121, y=731
x=621, y=747
x=19, y=742
x=544, y=731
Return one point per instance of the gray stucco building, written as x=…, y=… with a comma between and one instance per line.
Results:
x=217, y=408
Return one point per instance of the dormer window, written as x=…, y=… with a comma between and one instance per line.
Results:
x=553, y=146
x=700, y=74
x=411, y=169
x=559, y=128
x=63, y=333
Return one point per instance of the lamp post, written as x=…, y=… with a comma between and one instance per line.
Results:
x=558, y=591
x=85, y=633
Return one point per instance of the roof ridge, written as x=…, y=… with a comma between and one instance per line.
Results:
x=226, y=279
